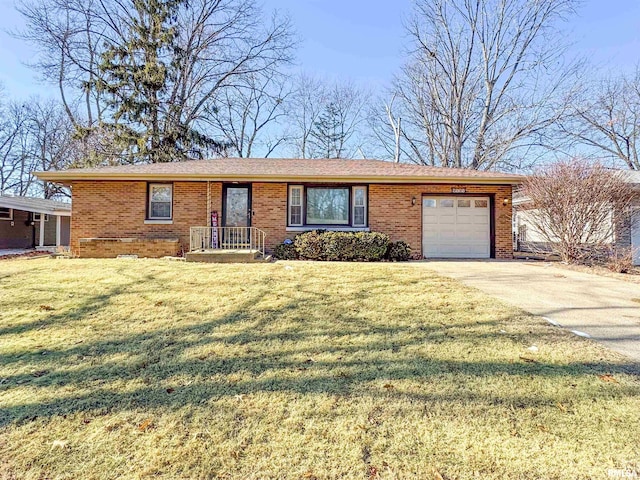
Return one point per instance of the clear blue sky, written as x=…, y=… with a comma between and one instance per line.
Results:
x=363, y=39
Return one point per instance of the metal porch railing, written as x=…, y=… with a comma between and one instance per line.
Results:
x=227, y=238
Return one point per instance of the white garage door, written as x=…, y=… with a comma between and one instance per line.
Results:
x=456, y=227
x=635, y=238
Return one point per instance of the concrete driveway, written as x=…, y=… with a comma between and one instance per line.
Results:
x=602, y=308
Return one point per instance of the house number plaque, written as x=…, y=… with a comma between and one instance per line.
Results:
x=458, y=190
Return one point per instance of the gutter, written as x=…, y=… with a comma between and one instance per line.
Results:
x=66, y=178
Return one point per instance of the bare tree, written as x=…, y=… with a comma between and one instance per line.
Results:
x=484, y=79
x=577, y=207
x=52, y=137
x=15, y=148
x=304, y=110
x=69, y=36
x=250, y=115
x=328, y=119
x=606, y=119
x=34, y=135
x=217, y=44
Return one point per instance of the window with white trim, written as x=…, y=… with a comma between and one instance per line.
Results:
x=160, y=201
x=359, y=206
x=36, y=217
x=6, y=213
x=295, y=205
x=327, y=206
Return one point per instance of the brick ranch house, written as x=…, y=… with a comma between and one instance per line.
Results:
x=149, y=210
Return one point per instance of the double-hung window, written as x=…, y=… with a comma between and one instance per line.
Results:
x=295, y=205
x=327, y=206
x=359, y=206
x=160, y=201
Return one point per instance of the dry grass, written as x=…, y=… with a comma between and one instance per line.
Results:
x=141, y=369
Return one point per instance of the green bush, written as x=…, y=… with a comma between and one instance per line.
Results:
x=342, y=246
x=371, y=246
x=339, y=246
x=398, y=251
x=310, y=245
x=285, y=251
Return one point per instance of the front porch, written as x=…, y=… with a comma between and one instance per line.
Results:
x=227, y=245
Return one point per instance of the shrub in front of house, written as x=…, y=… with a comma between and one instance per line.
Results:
x=339, y=246
x=371, y=246
x=399, y=251
x=285, y=251
x=310, y=245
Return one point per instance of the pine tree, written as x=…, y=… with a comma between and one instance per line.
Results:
x=328, y=136
x=136, y=75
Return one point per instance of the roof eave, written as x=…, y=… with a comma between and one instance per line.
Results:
x=66, y=178
x=46, y=211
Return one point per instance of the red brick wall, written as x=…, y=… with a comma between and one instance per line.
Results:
x=112, y=247
x=390, y=211
x=111, y=209
x=269, y=205
x=118, y=209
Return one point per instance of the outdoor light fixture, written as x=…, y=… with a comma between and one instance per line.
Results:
x=505, y=202
x=413, y=200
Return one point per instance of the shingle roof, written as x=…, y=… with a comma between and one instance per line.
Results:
x=36, y=205
x=282, y=169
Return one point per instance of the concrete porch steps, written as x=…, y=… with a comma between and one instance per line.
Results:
x=227, y=256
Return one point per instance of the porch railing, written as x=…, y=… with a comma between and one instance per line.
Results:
x=227, y=238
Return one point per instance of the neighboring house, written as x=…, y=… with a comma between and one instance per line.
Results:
x=149, y=210
x=27, y=222
x=625, y=235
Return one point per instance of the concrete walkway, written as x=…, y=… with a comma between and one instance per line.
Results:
x=605, y=309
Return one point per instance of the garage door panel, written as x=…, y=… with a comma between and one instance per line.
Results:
x=453, y=227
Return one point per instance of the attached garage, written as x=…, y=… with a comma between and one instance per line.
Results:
x=456, y=227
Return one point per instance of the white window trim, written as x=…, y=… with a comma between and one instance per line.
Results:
x=351, y=227
x=158, y=222
x=330, y=228
x=10, y=218
x=300, y=188
x=164, y=219
x=353, y=206
x=36, y=217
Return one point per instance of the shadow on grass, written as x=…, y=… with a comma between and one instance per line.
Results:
x=92, y=305
x=268, y=361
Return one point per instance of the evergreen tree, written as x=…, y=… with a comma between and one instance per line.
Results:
x=328, y=135
x=136, y=75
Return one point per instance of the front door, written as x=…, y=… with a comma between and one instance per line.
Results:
x=236, y=215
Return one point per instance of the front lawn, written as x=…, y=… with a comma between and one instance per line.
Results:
x=156, y=369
